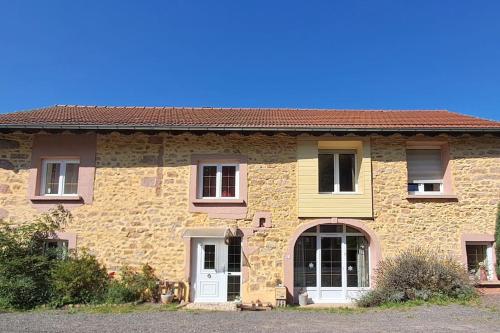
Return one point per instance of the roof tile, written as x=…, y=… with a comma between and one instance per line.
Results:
x=73, y=115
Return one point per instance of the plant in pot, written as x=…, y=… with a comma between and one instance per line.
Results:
x=483, y=271
x=167, y=296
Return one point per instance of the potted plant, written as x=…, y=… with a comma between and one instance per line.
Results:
x=167, y=296
x=483, y=271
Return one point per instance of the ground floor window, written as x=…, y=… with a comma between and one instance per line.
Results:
x=56, y=248
x=331, y=257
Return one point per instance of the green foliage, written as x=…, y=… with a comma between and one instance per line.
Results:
x=417, y=274
x=24, y=269
x=497, y=240
x=134, y=286
x=79, y=279
x=118, y=293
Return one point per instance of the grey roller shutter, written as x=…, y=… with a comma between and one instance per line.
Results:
x=424, y=165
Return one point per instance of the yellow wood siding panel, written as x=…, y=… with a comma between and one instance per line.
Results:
x=313, y=204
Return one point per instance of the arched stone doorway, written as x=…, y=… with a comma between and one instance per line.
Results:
x=334, y=260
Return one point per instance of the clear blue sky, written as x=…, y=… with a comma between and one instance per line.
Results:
x=304, y=54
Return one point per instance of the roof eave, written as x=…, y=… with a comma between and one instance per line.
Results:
x=240, y=129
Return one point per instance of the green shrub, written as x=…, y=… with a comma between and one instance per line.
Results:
x=79, y=279
x=24, y=268
x=143, y=285
x=119, y=293
x=417, y=274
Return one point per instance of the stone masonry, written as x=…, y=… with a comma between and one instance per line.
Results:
x=140, y=207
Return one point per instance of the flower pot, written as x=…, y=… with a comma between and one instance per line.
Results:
x=303, y=299
x=483, y=274
x=166, y=298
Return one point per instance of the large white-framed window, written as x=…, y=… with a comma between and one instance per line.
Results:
x=425, y=171
x=219, y=181
x=337, y=171
x=59, y=177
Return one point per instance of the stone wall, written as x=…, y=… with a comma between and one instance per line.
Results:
x=140, y=207
x=437, y=224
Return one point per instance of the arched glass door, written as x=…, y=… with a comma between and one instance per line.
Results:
x=331, y=263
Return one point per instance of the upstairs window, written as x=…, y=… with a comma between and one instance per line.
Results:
x=219, y=181
x=337, y=171
x=425, y=171
x=60, y=177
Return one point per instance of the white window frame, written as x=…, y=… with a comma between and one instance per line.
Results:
x=421, y=187
x=62, y=176
x=336, y=174
x=218, y=182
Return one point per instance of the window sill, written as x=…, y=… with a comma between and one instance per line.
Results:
x=218, y=201
x=450, y=197
x=56, y=198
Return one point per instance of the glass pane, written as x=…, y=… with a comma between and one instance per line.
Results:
x=71, y=178
x=52, y=174
x=412, y=187
x=233, y=287
x=229, y=181
x=331, y=262
x=305, y=262
x=432, y=187
x=331, y=228
x=209, y=260
x=346, y=172
x=325, y=172
x=234, y=254
x=351, y=229
x=56, y=249
x=357, y=261
x=475, y=255
x=209, y=181
x=313, y=230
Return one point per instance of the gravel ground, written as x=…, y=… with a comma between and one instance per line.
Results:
x=453, y=318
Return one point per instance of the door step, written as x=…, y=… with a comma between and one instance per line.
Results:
x=225, y=306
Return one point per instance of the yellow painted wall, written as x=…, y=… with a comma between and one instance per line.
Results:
x=313, y=204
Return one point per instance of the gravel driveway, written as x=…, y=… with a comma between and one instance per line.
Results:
x=452, y=318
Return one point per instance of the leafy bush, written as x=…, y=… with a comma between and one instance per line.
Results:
x=119, y=293
x=24, y=268
x=134, y=286
x=417, y=274
x=79, y=279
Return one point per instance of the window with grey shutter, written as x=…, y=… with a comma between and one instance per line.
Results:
x=424, y=165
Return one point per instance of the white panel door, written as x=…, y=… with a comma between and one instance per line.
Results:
x=211, y=266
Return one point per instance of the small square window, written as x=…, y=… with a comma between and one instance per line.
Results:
x=56, y=248
x=425, y=171
x=60, y=177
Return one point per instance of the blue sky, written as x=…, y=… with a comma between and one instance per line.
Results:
x=299, y=54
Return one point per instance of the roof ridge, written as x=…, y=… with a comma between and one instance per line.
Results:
x=237, y=108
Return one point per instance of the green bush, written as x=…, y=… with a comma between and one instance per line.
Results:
x=417, y=274
x=24, y=268
x=143, y=285
x=119, y=293
x=79, y=279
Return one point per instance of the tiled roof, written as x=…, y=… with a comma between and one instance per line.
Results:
x=71, y=116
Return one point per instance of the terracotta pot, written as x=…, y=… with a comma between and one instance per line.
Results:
x=483, y=274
